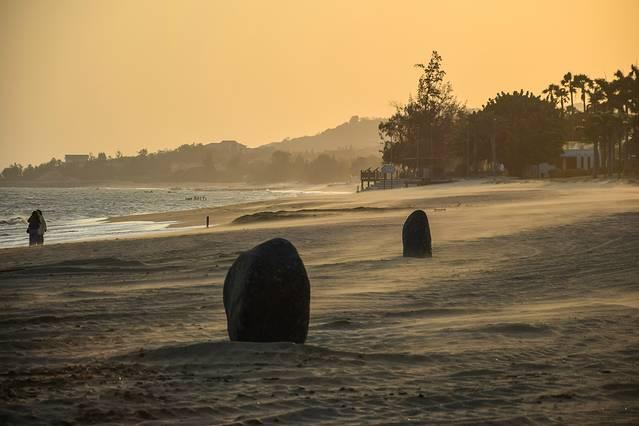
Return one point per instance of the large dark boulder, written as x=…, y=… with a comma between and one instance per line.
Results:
x=416, y=235
x=267, y=295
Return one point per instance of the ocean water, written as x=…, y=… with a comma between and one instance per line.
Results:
x=74, y=214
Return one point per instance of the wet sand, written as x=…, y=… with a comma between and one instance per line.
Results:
x=528, y=313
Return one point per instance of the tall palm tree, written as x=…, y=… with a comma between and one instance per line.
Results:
x=550, y=93
x=568, y=83
x=592, y=130
x=634, y=102
x=609, y=99
x=598, y=104
x=581, y=81
x=597, y=90
x=625, y=92
x=561, y=95
x=633, y=85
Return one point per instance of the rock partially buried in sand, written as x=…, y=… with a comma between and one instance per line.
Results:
x=267, y=295
x=416, y=235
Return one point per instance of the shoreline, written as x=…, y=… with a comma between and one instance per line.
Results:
x=68, y=229
x=312, y=206
x=236, y=186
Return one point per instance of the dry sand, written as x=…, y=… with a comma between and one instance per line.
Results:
x=528, y=313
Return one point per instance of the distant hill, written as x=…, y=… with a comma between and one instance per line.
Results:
x=359, y=134
x=332, y=155
x=225, y=148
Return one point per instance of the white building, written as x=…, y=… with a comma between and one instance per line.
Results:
x=577, y=155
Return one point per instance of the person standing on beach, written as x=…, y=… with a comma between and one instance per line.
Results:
x=34, y=228
x=42, y=228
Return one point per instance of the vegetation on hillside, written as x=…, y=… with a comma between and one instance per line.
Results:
x=333, y=155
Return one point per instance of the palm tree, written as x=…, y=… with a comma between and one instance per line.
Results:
x=561, y=95
x=633, y=84
x=550, y=93
x=581, y=81
x=625, y=93
x=568, y=83
x=594, y=120
x=592, y=129
x=634, y=104
x=597, y=92
x=609, y=102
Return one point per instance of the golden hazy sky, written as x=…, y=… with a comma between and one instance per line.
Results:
x=90, y=75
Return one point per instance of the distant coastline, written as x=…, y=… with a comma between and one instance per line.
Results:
x=333, y=155
x=238, y=186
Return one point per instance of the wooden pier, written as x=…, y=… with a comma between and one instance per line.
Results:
x=373, y=178
x=379, y=179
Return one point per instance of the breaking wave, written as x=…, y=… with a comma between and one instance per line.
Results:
x=17, y=220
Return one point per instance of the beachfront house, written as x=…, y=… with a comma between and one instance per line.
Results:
x=577, y=156
x=577, y=159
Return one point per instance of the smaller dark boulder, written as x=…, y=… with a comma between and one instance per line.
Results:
x=416, y=235
x=267, y=295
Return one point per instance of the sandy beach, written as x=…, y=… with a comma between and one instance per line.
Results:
x=528, y=313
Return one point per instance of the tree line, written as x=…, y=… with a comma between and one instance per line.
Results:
x=433, y=135
x=227, y=161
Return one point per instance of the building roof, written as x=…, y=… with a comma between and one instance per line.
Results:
x=576, y=145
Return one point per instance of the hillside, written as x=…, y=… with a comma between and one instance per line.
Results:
x=332, y=155
x=356, y=134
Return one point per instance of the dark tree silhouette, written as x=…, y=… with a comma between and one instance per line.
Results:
x=418, y=135
x=528, y=129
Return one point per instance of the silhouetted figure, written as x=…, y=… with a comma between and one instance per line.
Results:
x=267, y=295
x=43, y=227
x=34, y=228
x=416, y=235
